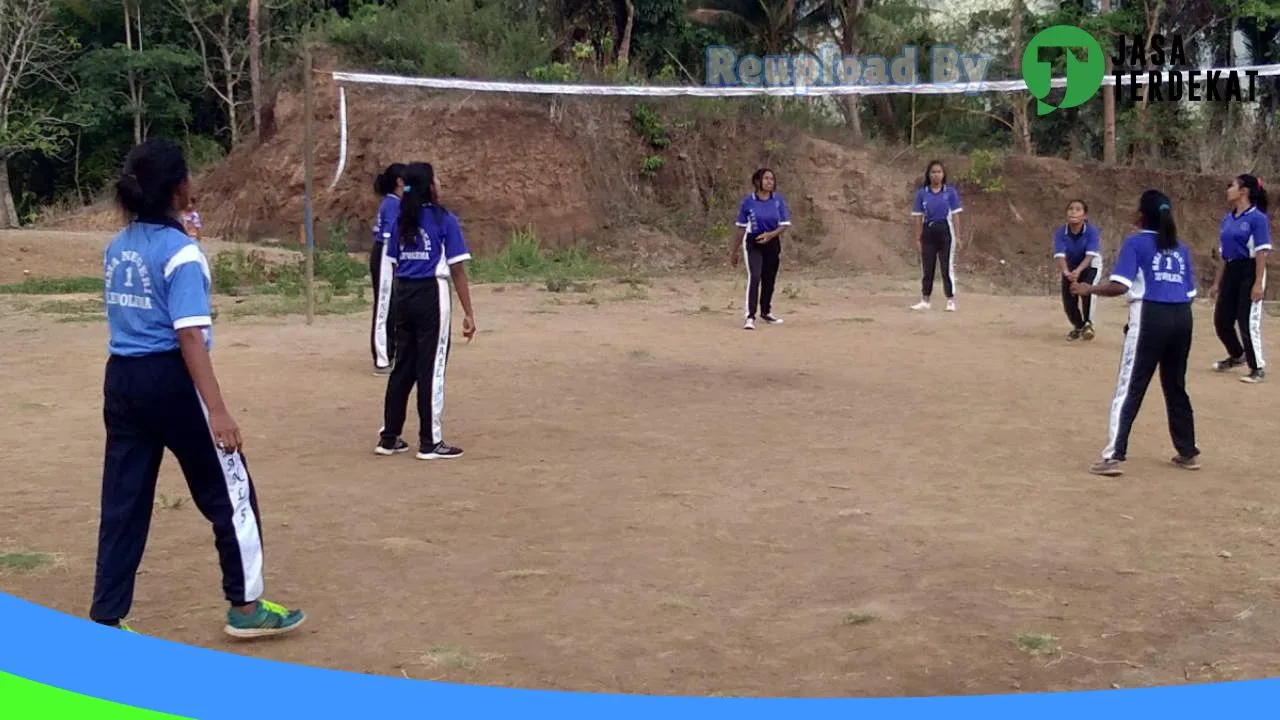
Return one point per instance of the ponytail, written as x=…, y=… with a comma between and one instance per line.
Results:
x=1157, y=214
x=1167, y=229
x=385, y=182
x=420, y=179
x=1257, y=195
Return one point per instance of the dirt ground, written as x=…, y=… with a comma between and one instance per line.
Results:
x=861, y=502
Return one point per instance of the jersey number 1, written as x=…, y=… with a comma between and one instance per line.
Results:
x=128, y=277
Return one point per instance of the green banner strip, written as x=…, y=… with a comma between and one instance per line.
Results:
x=22, y=699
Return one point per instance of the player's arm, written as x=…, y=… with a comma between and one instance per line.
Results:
x=1261, y=251
x=188, y=287
x=1122, y=276
x=1219, y=269
x=739, y=235
x=784, y=219
x=1189, y=280
x=456, y=254
x=917, y=212
x=1060, y=250
x=956, y=207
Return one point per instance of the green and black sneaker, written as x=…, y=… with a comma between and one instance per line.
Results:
x=266, y=620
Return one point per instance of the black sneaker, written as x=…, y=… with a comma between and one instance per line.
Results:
x=1073, y=335
x=388, y=447
x=1187, y=463
x=441, y=451
x=1108, y=468
x=1229, y=363
x=1255, y=376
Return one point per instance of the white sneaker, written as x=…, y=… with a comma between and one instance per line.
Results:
x=951, y=306
x=749, y=324
x=922, y=305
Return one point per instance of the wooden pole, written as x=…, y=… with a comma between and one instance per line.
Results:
x=1108, y=105
x=309, y=121
x=913, y=121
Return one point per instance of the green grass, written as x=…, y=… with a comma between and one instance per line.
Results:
x=25, y=562
x=858, y=618
x=71, y=307
x=54, y=286
x=1037, y=644
x=279, y=305
x=243, y=272
x=524, y=260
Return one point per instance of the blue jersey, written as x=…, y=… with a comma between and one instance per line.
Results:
x=1153, y=275
x=438, y=245
x=1075, y=248
x=1243, y=235
x=156, y=283
x=936, y=206
x=762, y=216
x=385, y=224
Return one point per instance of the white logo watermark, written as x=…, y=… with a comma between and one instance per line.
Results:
x=831, y=68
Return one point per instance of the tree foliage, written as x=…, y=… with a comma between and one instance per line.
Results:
x=79, y=79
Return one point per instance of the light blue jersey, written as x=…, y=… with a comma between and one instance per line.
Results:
x=156, y=283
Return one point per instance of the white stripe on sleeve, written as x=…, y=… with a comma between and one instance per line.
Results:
x=191, y=322
x=188, y=254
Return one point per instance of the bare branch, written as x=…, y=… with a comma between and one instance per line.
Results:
x=31, y=49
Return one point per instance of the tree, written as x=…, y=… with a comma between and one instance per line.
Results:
x=778, y=23
x=31, y=49
x=255, y=66
x=1021, y=113
x=1108, y=106
x=216, y=22
x=849, y=13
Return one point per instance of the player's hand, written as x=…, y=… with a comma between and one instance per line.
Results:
x=468, y=327
x=225, y=432
x=1256, y=295
x=1073, y=276
x=1078, y=288
x=733, y=258
x=1213, y=292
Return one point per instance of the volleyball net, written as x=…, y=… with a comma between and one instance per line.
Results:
x=803, y=86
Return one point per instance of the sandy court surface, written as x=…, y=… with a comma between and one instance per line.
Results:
x=863, y=501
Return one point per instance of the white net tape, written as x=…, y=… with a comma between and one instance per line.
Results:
x=792, y=89
x=795, y=89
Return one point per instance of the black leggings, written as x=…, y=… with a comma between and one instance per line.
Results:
x=1157, y=338
x=762, y=273
x=1235, y=308
x=423, y=309
x=1079, y=309
x=935, y=246
x=382, y=339
x=150, y=404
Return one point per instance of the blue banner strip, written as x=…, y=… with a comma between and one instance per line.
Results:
x=79, y=656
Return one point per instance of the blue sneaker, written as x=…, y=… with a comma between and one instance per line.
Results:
x=266, y=620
